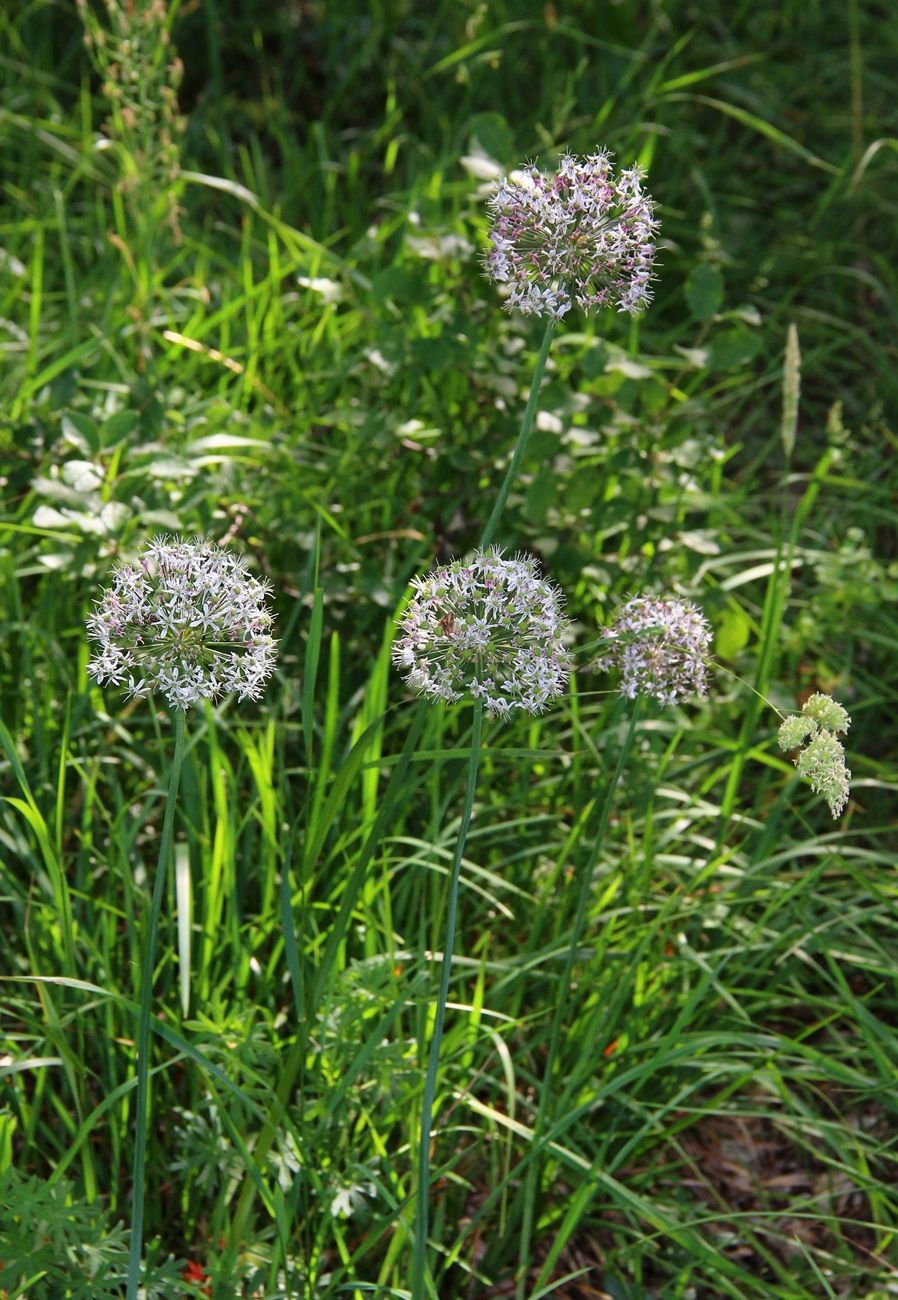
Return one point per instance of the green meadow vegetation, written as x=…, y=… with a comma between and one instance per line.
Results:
x=241, y=272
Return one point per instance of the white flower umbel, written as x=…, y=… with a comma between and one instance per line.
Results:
x=661, y=647
x=488, y=627
x=189, y=621
x=583, y=235
x=821, y=758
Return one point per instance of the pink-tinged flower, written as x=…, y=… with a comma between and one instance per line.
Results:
x=583, y=236
x=661, y=648
x=488, y=627
x=189, y=621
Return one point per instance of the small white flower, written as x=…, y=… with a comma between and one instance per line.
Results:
x=490, y=628
x=661, y=648
x=190, y=622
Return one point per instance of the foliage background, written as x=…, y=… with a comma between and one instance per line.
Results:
x=298, y=353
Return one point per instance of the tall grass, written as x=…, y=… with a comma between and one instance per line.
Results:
x=324, y=379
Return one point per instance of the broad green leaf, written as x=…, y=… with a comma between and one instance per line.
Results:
x=541, y=494
x=732, y=634
x=704, y=291
x=494, y=136
x=733, y=348
x=80, y=431
x=118, y=426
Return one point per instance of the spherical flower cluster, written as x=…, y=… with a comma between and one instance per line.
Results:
x=189, y=621
x=490, y=628
x=661, y=648
x=822, y=757
x=582, y=236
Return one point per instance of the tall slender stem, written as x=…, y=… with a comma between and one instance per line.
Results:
x=143, y=1024
x=584, y=887
x=524, y=434
x=419, y=1258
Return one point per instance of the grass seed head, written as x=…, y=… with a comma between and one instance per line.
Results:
x=822, y=762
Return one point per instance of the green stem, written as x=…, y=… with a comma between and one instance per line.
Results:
x=143, y=1024
x=526, y=426
x=584, y=890
x=419, y=1258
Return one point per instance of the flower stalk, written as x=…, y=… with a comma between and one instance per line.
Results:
x=143, y=1023
x=529, y=416
x=419, y=1256
x=595, y=835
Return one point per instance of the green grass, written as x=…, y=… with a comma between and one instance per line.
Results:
x=319, y=372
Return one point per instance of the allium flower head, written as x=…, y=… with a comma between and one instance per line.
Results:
x=188, y=621
x=822, y=757
x=487, y=627
x=661, y=648
x=582, y=236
